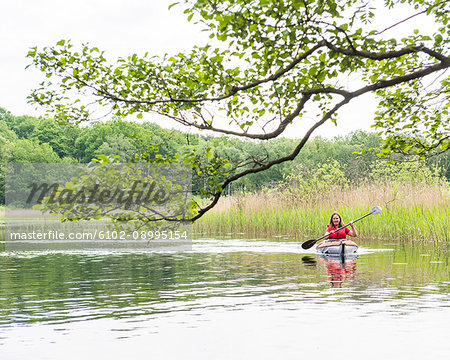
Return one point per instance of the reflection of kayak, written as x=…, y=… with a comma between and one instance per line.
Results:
x=337, y=247
x=339, y=268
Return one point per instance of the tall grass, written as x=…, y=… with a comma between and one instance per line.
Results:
x=410, y=212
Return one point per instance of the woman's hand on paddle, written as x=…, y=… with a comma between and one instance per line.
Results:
x=352, y=232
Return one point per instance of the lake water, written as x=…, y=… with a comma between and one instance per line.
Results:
x=228, y=298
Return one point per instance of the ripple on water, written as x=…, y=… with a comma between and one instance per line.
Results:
x=257, y=284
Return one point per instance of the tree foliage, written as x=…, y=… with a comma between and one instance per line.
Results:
x=269, y=62
x=132, y=141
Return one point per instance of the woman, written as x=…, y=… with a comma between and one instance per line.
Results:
x=336, y=223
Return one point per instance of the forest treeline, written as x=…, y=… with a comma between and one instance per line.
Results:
x=28, y=139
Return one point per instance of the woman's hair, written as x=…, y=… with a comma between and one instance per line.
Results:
x=340, y=220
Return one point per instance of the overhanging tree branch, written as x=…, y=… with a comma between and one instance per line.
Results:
x=252, y=72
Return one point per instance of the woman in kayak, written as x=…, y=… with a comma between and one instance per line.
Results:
x=336, y=223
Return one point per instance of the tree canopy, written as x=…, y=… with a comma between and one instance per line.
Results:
x=269, y=63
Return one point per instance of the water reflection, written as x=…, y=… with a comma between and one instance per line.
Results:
x=339, y=268
x=65, y=287
x=273, y=290
x=309, y=261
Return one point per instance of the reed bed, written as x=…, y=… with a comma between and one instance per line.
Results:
x=410, y=212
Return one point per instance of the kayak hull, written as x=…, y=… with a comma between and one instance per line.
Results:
x=337, y=247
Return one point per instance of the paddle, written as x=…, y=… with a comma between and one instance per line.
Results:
x=310, y=243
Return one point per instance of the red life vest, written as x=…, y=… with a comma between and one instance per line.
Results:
x=341, y=234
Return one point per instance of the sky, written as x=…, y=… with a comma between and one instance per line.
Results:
x=120, y=28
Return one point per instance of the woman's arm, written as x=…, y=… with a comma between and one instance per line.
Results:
x=328, y=232
x=352, y=232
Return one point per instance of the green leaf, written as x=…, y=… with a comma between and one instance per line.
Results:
x=70, y=185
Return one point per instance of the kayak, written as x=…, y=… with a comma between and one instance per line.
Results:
x=342, y=247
